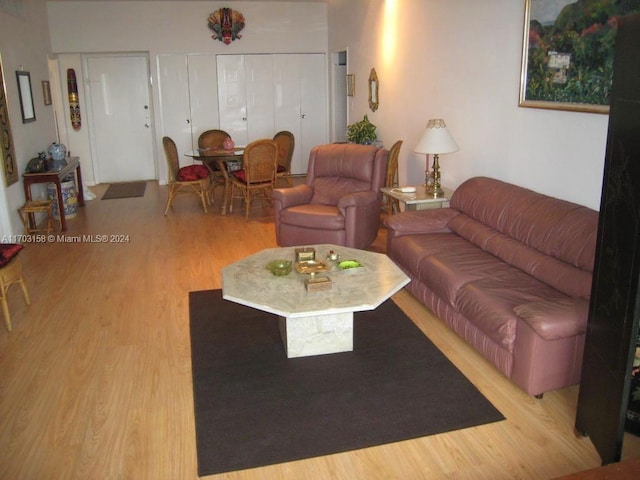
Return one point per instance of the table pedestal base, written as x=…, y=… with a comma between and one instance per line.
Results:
x=317, y=335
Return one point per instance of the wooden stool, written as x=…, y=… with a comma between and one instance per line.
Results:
x=11, y=273
x=32, y=207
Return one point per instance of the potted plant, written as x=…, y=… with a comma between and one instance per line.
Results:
x=363, y=132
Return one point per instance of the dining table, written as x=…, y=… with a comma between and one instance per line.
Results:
x=220, y=160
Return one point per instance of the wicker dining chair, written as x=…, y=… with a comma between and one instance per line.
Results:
x=286, y=143
x=390, y=204
x=213, y=140
x=257, y=178
x=11, y=273
x=197, y=186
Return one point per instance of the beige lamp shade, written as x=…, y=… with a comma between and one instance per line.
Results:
x=436, y=139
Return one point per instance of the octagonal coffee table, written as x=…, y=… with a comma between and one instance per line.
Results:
x=313, y=322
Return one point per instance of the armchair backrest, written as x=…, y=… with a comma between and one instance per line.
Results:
x=336, y=170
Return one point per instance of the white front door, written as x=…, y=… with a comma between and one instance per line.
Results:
x=120, y=116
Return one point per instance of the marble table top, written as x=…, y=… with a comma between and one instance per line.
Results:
x=249, y=283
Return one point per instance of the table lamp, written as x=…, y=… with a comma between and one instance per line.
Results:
x=435, y=140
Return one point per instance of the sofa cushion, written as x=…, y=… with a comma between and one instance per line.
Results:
x=563, y=276
x=456, y=264
x=554, y=227
x=323, y=217
x=409, y=250
x=488, y=302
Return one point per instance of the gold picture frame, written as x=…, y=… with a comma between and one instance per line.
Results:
x=351, y=84
x=567, y=56
x=7, y=153
x=374, y=90
x=46, y=92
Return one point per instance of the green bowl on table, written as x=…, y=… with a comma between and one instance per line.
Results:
x=280, y=268
x=348, y=264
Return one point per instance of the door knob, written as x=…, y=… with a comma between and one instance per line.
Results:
x=188, y=121
x=147, y=125
x=244, y=119
x=304, y=116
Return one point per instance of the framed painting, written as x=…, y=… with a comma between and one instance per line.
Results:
x=568, y=51
x=7, y=153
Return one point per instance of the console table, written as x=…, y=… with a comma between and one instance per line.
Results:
x=55, y=176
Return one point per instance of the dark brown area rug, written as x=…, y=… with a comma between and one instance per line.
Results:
x=125, y=190
x=256, y=407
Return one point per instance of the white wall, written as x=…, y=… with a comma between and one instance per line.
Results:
x=163, y=27
x=460, y=60
x=24, y=42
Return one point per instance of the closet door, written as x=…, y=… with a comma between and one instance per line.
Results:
x=203, y=94
x=314, y=114
x=615, y=296
x=259, y=80
x=288, y=101
x=232, y=97
x=175, y=111
x=300, y=85
x=245, y=92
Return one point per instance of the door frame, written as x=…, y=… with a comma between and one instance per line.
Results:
x=335, y=103
x=90, y=120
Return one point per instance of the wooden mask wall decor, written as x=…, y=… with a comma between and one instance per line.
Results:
x=74, y=102
x=226, y=25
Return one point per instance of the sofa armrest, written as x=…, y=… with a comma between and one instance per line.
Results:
x=555, y=319
x=420, y=221
x=290, y=197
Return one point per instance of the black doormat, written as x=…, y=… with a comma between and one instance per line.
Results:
x=256, y=407
x=125, y=190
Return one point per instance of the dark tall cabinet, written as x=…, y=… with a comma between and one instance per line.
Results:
x=615, y=298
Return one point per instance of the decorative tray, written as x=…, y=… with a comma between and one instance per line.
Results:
x=311, y=266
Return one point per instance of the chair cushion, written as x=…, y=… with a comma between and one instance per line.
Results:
x=192, y=172
x=282, y=168
x=240, y=175
x=324, y=217
x=8, y=251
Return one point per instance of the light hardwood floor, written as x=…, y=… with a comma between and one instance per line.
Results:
x=95, y=379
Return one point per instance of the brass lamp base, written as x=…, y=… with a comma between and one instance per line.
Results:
x=433, y=192
x=432, y=185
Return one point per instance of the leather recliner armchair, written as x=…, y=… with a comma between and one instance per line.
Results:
x=340, y=201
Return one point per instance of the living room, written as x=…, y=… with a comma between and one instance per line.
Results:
x=433, y=60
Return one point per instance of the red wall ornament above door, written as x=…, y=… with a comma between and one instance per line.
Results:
x=226, y=25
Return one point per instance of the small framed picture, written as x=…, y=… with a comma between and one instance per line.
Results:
x=351, y=85
x=46, y=92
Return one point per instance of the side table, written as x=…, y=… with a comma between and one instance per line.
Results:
x=418, y=200
x=55, y=176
